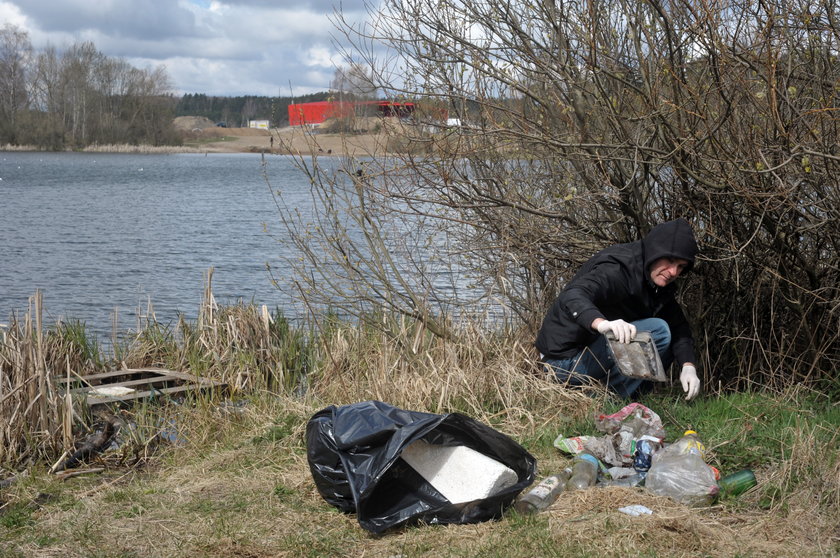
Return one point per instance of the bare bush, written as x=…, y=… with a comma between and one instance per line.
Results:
x=554, y=128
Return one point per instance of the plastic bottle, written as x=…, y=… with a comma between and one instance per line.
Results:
x=646, y=446
x=737, y=483
x=685, y=477
x=544, y=494
x=690, y=443
x=584, y=472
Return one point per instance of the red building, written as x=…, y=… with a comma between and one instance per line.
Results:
x=316, y=113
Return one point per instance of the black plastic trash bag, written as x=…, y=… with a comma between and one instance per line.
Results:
x=354, y=455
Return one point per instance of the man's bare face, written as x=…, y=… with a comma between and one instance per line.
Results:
x=664, y=270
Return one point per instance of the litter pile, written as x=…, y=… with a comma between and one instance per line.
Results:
x=631, y=452
x=394, y=467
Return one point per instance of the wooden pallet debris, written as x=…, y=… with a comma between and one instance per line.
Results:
x=136, y=383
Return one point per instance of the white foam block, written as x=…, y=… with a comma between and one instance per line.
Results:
x=459, y=473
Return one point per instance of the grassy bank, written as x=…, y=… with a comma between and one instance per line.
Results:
x=226, y=473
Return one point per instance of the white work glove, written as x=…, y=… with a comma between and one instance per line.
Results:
x=690, y=382
x=624, y=332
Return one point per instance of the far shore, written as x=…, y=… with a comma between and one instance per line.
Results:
x=287, y=141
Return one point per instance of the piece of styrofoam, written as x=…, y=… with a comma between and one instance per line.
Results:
x=111, y=391
x=459, y=473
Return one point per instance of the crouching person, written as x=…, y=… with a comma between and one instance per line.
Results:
x=623, y=289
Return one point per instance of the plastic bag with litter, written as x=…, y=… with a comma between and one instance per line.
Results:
x=635, y=418
x=685, y=477
x=392, y=467
x=622, y=429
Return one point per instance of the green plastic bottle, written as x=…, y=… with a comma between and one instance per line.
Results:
x=736, y=483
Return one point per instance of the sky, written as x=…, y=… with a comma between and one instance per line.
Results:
x=216, y=47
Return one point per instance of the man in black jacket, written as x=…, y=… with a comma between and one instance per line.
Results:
x=622, y=289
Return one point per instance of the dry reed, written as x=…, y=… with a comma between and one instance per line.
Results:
x=491, y=377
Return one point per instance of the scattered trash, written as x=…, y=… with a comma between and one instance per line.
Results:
x=646, y=446
x=689, y=443
x=623, y=476
x=573, y=445
x=638, y=358
x=680, y=472
x=636, y=510
x=584, y=472
x=636, y=479
x=355, y=455
x=736, y=483
x=635, y=418
x=544, y=494
x=617, y=448
x=633, y=453
x=616, y=473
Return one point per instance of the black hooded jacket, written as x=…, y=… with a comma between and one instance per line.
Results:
x=615, y=284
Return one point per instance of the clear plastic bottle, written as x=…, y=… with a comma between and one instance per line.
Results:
x=584, y=472
x=544, y=494
x=690, y=443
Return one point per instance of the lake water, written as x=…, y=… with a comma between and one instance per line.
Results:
x=99, y=232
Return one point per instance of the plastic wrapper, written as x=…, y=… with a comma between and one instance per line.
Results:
x=635, y=418
x=572, y=445
x=354, y=457
x=685, y=478
x=622, y=429
x=610, y=449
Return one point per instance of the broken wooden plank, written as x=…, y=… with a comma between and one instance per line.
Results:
x=133, y=382
x=146, y=381
x=94, y=400
x=126, y=372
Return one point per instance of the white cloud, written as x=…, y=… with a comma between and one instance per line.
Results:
x=218, y=47
x=320, y=56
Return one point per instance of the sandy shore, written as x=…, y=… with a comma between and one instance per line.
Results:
x=287, y=141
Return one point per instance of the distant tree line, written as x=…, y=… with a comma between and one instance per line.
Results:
x=79, y=96
x=353, y=83
x=237, y=111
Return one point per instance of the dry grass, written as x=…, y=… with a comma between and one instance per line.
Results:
x=233, y=489
x=32, y=417
x=492, y=378
x=237, y=481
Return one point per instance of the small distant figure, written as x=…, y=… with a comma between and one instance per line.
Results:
x=271, y=142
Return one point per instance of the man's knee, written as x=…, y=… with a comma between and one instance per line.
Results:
x=659, y=331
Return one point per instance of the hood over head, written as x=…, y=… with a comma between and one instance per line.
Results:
x=672, y=239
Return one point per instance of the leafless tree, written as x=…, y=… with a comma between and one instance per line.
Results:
x=15, y=65
x=80, y=96
x=584, y=123
x=355, y=80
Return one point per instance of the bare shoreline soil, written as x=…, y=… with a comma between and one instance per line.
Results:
x=284, y=141
x=202, y=135
x=297, y=141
